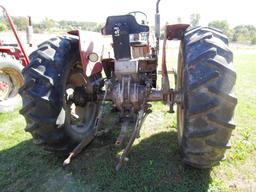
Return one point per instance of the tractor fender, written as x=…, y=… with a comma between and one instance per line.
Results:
x=90, y=42
x=175, y=31
x=13, y=51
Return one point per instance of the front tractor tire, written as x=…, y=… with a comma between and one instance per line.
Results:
x=11, y=80
x=206, y=80
x=54, y=122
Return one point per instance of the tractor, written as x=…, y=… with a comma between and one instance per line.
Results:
x=12, y=60
x=70, y=79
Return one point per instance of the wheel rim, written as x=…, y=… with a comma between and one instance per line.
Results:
x=80, y=119
x=10, y=82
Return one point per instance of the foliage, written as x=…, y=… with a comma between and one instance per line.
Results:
x=38, y=28
x=240, y=33
x=253, y=40
x=244, y=33
x=3, y=24
x=48, y=24
x=3, y=27
x=89, y=26
x=195, y=19
x=220, y=24
x=223, y=26
x=20, y=22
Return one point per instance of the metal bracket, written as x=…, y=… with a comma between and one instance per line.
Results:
x=92, y=133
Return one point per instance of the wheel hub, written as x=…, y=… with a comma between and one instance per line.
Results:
x=5, y=85
x=82, y=109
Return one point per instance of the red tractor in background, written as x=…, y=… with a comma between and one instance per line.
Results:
x=12, y=60
x=65, y=90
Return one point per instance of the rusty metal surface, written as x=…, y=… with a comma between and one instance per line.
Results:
x=175, y=31
x=127, y=95
x=13, y=51
x=171, y=32
x=129, y=84
x=141, y=116
x=147, y=65
x=121, y=136
x=91, y=134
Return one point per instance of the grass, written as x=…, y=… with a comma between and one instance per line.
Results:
x=154, y=160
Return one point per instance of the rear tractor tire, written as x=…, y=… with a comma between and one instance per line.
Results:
x=54, y=122
x=11, y=80
x=206, y=80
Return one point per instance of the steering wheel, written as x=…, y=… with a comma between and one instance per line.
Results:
x=140, y=17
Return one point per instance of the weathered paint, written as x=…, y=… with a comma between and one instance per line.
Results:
x=175, y=31
x=14, y=51
x=171, y=32
x=90, y=42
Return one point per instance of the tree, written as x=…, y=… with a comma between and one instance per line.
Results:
x=195, y=19
x=253, y=40
x=244, y=33
x=3, y=23
x=99, y=27
x=223, y=26
x=47, y=24
x=220, y=24
x=20, y=22
x=37, y=28
x=3, y=27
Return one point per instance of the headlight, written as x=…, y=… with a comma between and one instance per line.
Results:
x=93, y=57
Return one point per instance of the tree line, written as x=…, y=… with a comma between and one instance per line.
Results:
x=49, y=25
x=240, y=33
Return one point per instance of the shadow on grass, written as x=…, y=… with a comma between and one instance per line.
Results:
x=154, y=166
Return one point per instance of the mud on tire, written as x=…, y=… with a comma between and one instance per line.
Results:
x=206, y=77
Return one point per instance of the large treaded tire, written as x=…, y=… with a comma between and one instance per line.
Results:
x=206, y=78
x=44, y=93
x=12, y=68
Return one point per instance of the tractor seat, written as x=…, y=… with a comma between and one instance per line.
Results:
x=120, y=27
x=127, y=21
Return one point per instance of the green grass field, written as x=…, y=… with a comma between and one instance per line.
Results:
x=154, y=160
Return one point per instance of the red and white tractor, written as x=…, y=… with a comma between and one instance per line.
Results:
x=12, y=60
x=65, y=90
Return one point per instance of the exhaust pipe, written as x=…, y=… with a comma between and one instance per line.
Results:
x=29, y=32
x=157, y=25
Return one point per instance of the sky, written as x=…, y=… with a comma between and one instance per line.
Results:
x=236, y=12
